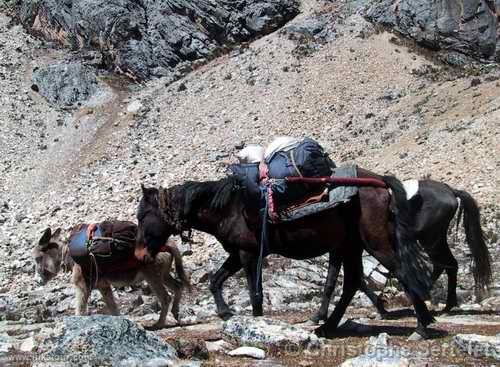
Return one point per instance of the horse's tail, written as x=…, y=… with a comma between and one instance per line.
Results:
x=179, y=266
x=481, y=260
x=413, y=267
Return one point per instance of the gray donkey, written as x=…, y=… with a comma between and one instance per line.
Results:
x=51, y=254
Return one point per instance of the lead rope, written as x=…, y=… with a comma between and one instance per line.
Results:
x=92, y=256
x=263, y=240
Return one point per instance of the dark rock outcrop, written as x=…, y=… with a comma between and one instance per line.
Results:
x=466, y=26
x=65, y=83
x=147, y=38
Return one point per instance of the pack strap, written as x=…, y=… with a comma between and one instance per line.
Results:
x=340, y=181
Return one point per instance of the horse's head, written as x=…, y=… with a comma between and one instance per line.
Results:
x=48, y=256
x=154, y=227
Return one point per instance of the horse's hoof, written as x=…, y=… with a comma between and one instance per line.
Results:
x=317, y=318
x=154, y=327
x=257, y=311
x=449, y=307
x=384, y=315
x=419, y=334
x=322, y=332
x=226, y=315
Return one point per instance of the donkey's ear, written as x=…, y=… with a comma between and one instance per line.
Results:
x=56, y=233
x=45, y=240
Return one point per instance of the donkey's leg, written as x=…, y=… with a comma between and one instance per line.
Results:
x=82, y=291
x=82, y=297
x=249, y=261
x=230, y=267
x=109, y=299
x=353, y=272
x=376, y=300
x=176, y=287
x=155, y=281
x=334, y=264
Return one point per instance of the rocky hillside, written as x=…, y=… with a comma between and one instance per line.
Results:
x=97, y=98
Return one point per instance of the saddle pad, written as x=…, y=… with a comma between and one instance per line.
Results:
x=340, y=194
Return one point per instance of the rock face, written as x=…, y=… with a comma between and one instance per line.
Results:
x=149, y=38
x=65, y=84
x=266, y=333
x=479, y=345
x=101, y=340
x=466, y=26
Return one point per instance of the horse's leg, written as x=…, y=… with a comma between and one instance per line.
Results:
x=451, y=267
x=230, y=266
x=334, y=264
x=353, y=272
x=424, y=317
x=249, y=262
x=376, y=300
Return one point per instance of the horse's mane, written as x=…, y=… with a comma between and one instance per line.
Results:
x=217, y=194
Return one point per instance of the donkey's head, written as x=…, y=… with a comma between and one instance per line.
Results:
x=48, y=256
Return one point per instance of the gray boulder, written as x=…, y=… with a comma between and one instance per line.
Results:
x=148, y=38
x=479, y=345
x=315, y=27
x=466, y=26
x=65, y=84
x=380, y=353
x=263, y=332
x=103, y=340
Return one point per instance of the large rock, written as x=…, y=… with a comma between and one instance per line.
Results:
x=66, y=83
x=265, y=333
x=103, y=340
x=148, y=38
x=252, y=352
x=479, y=345
x=466, y=26
x=380, y=353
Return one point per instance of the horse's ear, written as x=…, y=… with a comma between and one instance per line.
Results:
x=56, y=233
x=144, y=189
x=45, y=240
x=162, y=198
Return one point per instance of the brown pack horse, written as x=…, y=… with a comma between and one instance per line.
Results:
x=374, y=219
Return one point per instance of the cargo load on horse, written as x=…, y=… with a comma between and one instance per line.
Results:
x=293, y=178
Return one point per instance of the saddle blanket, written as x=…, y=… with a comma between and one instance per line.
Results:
x=336, y=196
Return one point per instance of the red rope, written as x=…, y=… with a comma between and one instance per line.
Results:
x=340, y=181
